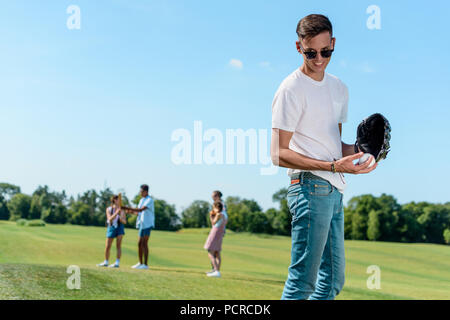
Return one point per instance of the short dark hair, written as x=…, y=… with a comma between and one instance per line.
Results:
x=144, y=187
x=313, y=25
x=217, y=193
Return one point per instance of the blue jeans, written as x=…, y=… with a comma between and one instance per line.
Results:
x=317, y=269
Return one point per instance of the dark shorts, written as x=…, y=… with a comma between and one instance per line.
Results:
x=113, y=232
x=144, y=232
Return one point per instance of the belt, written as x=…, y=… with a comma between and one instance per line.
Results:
x=297, y=177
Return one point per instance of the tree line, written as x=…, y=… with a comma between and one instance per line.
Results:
x=366, y=217
x=86, y=209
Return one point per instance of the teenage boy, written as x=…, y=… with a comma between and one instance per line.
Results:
x=307, y=115
x=145, y=222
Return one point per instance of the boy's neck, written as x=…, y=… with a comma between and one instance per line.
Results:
x=313, y=75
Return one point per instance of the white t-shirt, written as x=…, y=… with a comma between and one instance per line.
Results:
x=312, y=110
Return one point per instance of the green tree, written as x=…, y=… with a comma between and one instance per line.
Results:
x=166, y=217
x=434, y=220
x=252, y=205
x=388, y=215
x=382, y=218
x=240, y=213
x=131, y=221
x=258, y=222
x=447, y=236
x=4, y=212
x=7, y=190
x=196, y=215
x=359, y=226
x=19, y=206
x=281, y=221
x=55, y=214
x=236, y=213
x=136, y=200
x=80, y=213
x=271, y=215
x=373, y=229
x=357, y=216
x=408, y=227
x=348, y=224
x=90, y=199
x=35, y=207
x=49, y=206
x=280, y=195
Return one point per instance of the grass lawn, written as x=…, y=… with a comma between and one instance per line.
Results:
x=34, y=260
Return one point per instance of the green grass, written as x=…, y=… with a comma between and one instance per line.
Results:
x=33, y=263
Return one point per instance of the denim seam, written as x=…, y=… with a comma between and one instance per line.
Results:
x=309, y=212
x=332, y=263
x=309, y=219
x=309, y=224
x=331, y=256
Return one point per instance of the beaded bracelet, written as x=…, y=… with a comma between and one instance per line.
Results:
x=333, y=169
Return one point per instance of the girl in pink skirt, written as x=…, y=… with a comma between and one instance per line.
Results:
x=213, y=244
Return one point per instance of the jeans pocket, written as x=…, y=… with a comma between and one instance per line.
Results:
x=292, y=195
x=298, y=207
x=291, y=201
x=321, y=189
x=301, y=219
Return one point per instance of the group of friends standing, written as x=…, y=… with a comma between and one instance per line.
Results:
x=116, y=220
x=145, y=222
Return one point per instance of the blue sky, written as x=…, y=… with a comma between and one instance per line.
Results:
x=83, y=108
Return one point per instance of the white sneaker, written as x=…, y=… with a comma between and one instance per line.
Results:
x=103, y=264
x=215, y=274
x=136, y=266
x=142, y=266
x=115, y=265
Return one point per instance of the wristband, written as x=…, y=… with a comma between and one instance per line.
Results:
x=333, y=169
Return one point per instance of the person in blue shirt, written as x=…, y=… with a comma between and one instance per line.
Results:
x=145, y=222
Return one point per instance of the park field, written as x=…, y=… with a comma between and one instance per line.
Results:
x=34, y=261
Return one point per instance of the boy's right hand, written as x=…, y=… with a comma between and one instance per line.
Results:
x=345, y=165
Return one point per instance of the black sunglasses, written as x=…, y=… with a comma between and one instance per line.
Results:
x=313, y=54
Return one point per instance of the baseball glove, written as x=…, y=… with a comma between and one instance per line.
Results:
x=373, y=136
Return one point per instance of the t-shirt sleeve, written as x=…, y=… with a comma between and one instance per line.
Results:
x=286, y=110
x=152, y=205
x=344, y=109
x=147, y=203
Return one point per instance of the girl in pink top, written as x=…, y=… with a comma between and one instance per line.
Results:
x=214, y=242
